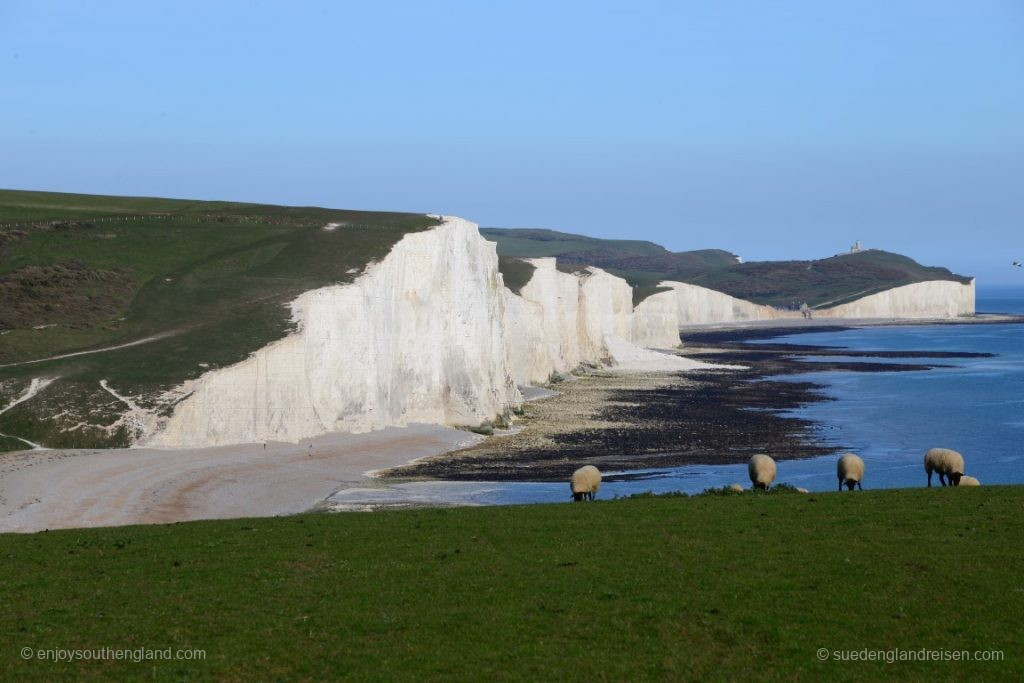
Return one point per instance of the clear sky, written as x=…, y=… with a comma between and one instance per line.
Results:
x=775, y=129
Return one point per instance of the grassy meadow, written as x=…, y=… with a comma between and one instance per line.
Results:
x=659, y=588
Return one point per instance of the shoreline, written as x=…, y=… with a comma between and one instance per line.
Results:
x=49, y=489
x=796, y=325
x=622, y=423
x=54, y=488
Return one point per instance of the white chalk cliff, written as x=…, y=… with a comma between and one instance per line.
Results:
x=656, y=321
x=922, y=300
x=932, y=299
x=699, y=305
x=418, y=337
x=430, y=334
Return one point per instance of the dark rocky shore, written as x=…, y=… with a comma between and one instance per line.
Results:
x=624, y=422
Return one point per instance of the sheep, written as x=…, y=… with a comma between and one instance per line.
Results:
x=800, y=489
x=946, y=463
x=585, y=482
x=761, y=469
x=850, y=470
x=736, y=488
x=969, y=481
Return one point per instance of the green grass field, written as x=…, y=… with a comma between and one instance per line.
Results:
x=213, y=277
x=722, y=587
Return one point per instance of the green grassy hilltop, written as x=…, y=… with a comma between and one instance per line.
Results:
x=723, y=587
x=209, y=280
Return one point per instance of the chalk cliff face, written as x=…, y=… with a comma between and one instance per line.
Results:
x=543, y=324
x=560, y=320
x=934, y=299
x=697, y=305
x=430, y=334
x=656, y=321
x=418, y=337
x=605, y=310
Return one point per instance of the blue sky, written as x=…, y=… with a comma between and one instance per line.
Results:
x=773, y=129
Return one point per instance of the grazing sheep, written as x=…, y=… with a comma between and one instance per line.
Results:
x=946, y=463
x=969, y=481
x=850, y=470
x=800, y=489
x=762, y=470
x=585, y=482
x=736, y=487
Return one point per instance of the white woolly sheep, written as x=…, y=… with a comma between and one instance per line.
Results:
x=946, y=463
x=736, y=487
x=850, y=470
x=800, y=489
x=762, y=470
x=969, y=481
x=585, y=482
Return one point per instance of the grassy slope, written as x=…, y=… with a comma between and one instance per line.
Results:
x=534, y=243
x=828, y=281
x=641, y=263
x=216, y=275
x=516, y=273
x=661, y=588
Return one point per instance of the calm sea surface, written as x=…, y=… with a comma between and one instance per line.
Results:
x=976, y=406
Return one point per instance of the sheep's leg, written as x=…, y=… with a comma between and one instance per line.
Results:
x=840, y=484
x=859, y=486
x=942, y=478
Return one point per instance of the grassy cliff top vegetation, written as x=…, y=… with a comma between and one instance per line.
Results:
x=207, y=282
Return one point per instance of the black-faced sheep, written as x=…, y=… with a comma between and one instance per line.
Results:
x=850, y=470
x=946, y=463
x=762, y=470
x=585, y=482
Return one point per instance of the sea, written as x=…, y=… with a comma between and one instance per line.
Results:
x=975, y=406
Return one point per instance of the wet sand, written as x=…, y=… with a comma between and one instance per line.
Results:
x=54, y=489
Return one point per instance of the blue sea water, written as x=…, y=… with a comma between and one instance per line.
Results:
x=975, y=406
x=1001, y=299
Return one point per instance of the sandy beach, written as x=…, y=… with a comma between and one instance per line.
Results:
x=54, y=489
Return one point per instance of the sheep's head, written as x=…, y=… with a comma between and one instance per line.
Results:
x=577, y=496
x=850, y=484
x=954, y=478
